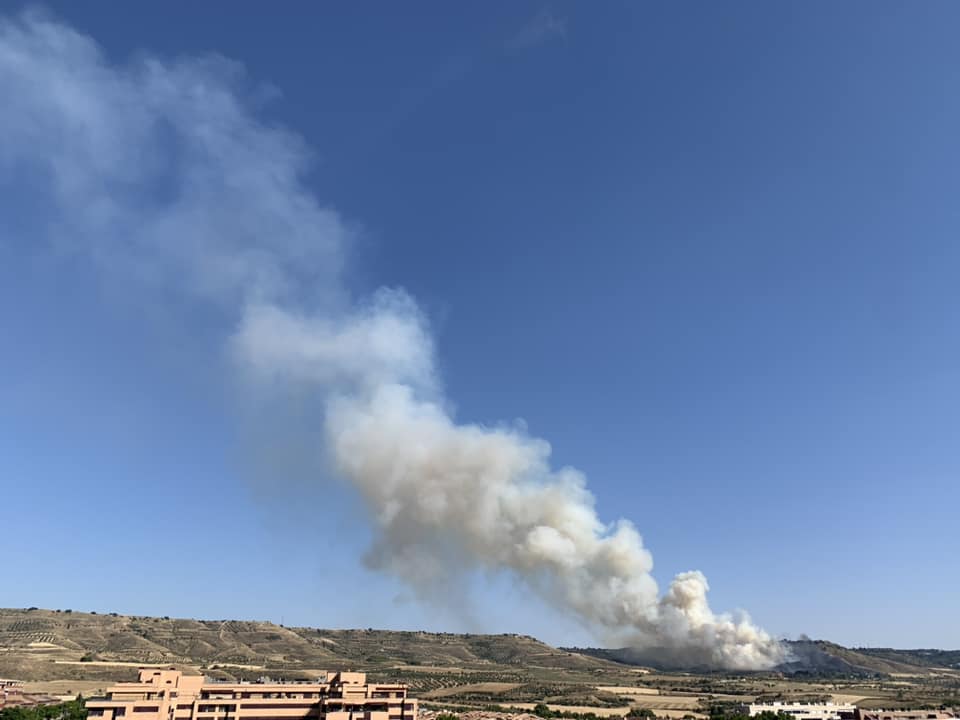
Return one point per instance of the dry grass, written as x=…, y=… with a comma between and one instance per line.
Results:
x=628, y=690
x=483, y=687
x=680, y=703
x=602, y=712
x=65, y=688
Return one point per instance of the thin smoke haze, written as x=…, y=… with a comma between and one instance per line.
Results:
x=162, y=171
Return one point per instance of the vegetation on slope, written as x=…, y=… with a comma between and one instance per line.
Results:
x=73, y=710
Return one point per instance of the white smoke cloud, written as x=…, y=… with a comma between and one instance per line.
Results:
x=380, y=342
x=161, y=171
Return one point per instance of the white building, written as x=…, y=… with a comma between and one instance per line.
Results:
x=804, y=711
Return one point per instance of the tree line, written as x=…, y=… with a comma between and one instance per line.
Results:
x=72, y=710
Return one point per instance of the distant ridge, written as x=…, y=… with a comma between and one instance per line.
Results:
x=817, y=657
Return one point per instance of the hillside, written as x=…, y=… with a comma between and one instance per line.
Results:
x=38, y=644
x=925, y=657
x=65, y=653
x=819, y=657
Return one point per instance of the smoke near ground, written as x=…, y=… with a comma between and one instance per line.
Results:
x=162, y=172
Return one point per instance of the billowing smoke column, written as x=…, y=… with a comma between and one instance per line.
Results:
x=445, y=495
x=163, y=174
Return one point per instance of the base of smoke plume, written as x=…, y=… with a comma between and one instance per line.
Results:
x=669, y=659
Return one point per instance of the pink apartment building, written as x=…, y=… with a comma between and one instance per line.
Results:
x=168, y=694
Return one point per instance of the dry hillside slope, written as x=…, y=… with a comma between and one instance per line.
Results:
x=48, y=644
x=63, y=653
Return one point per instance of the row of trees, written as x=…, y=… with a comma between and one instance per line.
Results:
x=73, y=710
x=542, y=710
x=725, y=713
x=637, y=713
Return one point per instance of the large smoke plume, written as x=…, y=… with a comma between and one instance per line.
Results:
x=162, y=171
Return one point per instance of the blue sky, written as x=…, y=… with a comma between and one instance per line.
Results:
x=707, y=251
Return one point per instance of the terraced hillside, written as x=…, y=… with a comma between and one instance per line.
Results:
x=48, y=645
x=63, y=653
